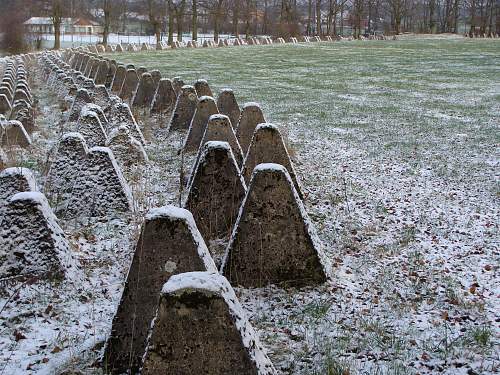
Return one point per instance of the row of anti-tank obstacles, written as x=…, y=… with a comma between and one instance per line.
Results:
x=197, y=326
x=16, y=106
x=222, y=42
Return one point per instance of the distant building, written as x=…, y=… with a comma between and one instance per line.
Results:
x=81, y=26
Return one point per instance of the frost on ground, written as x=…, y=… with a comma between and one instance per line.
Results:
x=396, y=146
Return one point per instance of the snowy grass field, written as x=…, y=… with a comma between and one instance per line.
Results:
x=396, y=144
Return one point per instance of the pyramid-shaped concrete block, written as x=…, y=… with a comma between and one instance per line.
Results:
x=100, y=190
x=118, y=79
x=205, y=108
x=127, y=150
x=12, y=133
x=184, y=110
x=15, y=180
x=145, y=92
x=82, y=97
x=251, y=116
x=177, y=82
x=164, y=99
x=267, y=146
x=91, y=128
x=129, y=85
x=170, y=243
x=64, y=170
x=227, y=104
x=216, y=191
x=200, y=328
x=273, y=240
x=31, y=241
x=219, y=129
x=120, y=114
x=202, y=88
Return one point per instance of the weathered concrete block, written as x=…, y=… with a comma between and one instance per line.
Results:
x=129, y=85
x=101, y=190
x=200, y=328
x=15, y=180
x=31, y=241
x=164, y=99
x=101, y=97
x=64, y=170
x=251, y=116
x=120, y=114
x=12, y=133
x=216, y=191
x=178, y=83
x=169, y=244
x=5, y=106
x=4, y=159
x=145, y=92
x=202, y=88
x=227, y=104
x=127, y=150
x=156, y=77
x=91, y=128
x=267, y=146
x=219, y=129
x=82, y=97
x=118, y=79
x=273, y=240
x=204, y=109
x=102, y=72
x=184, y=109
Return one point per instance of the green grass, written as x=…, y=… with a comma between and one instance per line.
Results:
x=407, y=93
x=396, y=143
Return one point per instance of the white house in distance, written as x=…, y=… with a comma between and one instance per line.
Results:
x=80, y=26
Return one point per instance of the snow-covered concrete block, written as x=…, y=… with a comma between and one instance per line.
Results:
x=170, y=243
x=15, y=180
x=12, y=133
x=5, y=106
x=31, y=241
x=273, y=240
x=267, y=146
x=91, y=128
x=251, y=116
x=129, y=85
x=184, y=109
x=202, y=88
x=101, y=97
x=102, y=72
x=120, y=114
x=118, y=79
x=127, y=150
x=216, y=191
x=219, y=129
x=200, y=328
x=177, y=82
x=205, y=108
x=227, y=104
x=64, y=170
x=164, y=99
x=82, y=97
x=145, y=92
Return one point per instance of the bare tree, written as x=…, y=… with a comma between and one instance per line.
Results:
x=156, y=12
x=106, y=8
x=194, y=9
x=57, y=17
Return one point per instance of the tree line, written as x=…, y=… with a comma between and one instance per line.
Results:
x=278, y=18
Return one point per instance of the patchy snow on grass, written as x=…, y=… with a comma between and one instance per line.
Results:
x=396, y=146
